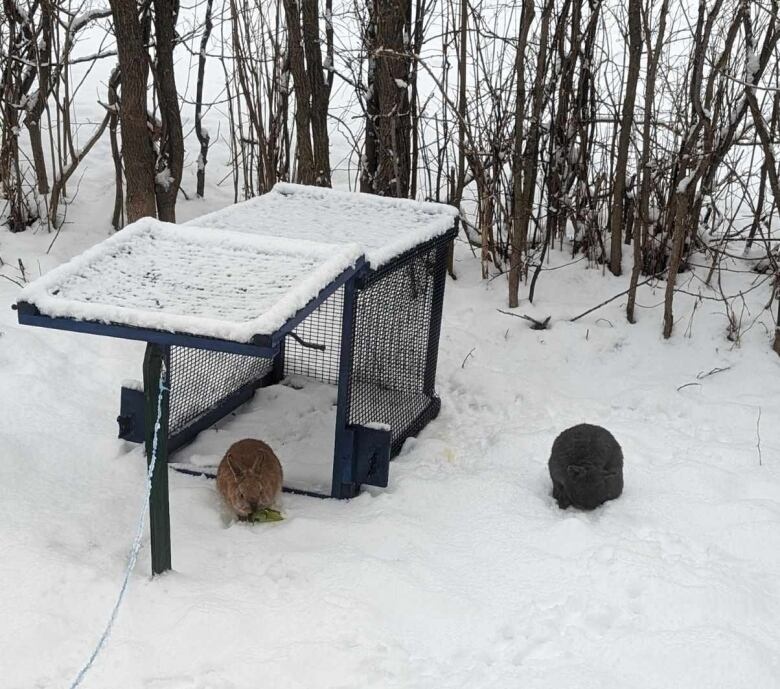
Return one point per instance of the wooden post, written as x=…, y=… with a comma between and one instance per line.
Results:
x=159, y=517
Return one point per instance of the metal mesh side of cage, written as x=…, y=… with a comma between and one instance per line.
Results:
x=200, y=380
x=316, y=354
x=395, y=349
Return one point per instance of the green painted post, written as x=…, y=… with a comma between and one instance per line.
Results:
x=159, y=516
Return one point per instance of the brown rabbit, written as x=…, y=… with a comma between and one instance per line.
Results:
x=249, y=477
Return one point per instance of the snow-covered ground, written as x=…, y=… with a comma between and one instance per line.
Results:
x=463, y=573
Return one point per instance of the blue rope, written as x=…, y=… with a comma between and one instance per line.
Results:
x=133, y=551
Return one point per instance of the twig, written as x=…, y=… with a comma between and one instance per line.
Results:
x=688, y=385
x=758, y=437
x=702, y=374
x=535, y=325
x=617, y=296
x=689, y=329
x=16, y=282
x=463, y=365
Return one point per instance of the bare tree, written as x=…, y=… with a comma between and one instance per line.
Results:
x=259, y=71
x=626, y=123
x=36, y=93
x=311, y=93
x=387, y=167
x=642, y=228
x=716, y=116
x=170, y=152
x=203, y=136
x=138, y=156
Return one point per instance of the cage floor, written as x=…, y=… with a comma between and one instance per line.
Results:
x=297, y=418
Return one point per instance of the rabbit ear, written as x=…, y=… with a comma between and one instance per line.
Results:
x=236, y=473
x=575, y=471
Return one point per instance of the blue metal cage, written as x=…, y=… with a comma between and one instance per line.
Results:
x=371, y=332
x=376, y=337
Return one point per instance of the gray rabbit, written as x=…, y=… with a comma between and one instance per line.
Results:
x=586, y=467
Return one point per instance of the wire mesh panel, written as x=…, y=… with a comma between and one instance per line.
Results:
x=396, y=339
x=390, y=378
x=316, y=351
x=200, y=380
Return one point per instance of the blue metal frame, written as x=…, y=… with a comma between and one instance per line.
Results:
x=276, y=339
x=343, y=483
x=441, y=244
x=131, y=415
x=28, y=314
x=361, y=454
x=267, y=346
x=207, y=473
x=371, y=447
x=434, y=331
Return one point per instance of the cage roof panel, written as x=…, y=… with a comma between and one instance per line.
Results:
x=384, y=227
x=187, y=279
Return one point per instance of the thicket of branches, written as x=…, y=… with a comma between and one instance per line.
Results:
x=639, y=134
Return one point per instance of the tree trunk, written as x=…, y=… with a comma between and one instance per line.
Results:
x=420, y=8
x=642, y=224
x=392, y=87
x=171, y=156
x=204, y=139
x=319, y=94
x=519, y=229
x=370, y=160
x=626, y=124
x=307, y=173
x=118, y=215
x=681, y=203
x=137, y=150
x=33, y=119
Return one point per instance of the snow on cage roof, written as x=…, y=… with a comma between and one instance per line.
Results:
x=205, y=282
x=384, y=227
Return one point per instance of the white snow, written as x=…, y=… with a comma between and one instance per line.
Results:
x=377, y=426
x=753, y=64
x=191, y=280
x=83, y=19
x=682, y=185
x=133, y=384
x=164, y=178
x=383, y=227
x=463, y=572
x=297, y=419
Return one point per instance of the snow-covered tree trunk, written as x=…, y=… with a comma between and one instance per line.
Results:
x=203, y=136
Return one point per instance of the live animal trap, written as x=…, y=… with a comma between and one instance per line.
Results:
x=345, y=289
